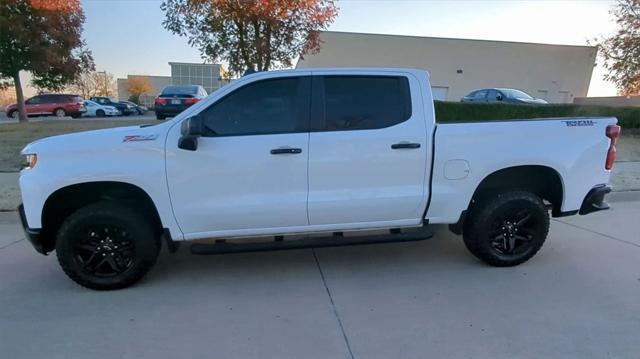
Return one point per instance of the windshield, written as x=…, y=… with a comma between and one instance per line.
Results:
x=510, y=93
x=180, y=90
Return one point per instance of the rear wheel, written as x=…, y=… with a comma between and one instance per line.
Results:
x=12, y=114
x=160, y=117
x=507, y=229
x=106, y=245
x=60, y=112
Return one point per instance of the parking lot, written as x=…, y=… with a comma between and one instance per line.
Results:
x=578, y=298
x=140, y=118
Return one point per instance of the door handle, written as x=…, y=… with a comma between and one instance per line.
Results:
x=397, y=146
x=283, y=151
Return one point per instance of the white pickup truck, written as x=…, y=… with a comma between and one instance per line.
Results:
x=332, y=151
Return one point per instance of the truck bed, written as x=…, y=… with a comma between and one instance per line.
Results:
x=575, y=147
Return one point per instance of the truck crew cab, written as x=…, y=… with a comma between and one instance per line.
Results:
x=308, y=151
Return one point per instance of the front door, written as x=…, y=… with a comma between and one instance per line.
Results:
x=249, y=172
x=33, y=106
x=367, y=151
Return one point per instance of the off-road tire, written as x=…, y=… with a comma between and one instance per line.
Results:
x=81, y=225
x=485, y=215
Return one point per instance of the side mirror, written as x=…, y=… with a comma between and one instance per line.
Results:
x=191, y=129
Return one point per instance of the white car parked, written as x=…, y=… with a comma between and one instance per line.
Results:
x=283, y=153
x=95, y=109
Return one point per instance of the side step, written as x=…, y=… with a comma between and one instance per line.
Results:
x=223, y=247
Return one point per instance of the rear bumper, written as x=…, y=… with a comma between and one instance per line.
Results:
x=32, y=234
x=170, y=111
x=594, y=201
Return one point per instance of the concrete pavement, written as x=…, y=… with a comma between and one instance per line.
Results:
x=578, y=298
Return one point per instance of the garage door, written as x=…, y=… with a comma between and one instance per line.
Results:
x=439, y=93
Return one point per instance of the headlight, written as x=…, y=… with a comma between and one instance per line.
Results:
x=30, y=161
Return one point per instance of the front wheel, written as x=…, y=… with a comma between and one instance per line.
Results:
x=507, y=229
x=100, y=113
x=106, y=245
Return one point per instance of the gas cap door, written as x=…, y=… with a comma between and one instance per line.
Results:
x=456, y=169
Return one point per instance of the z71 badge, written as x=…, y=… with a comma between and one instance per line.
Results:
x=136, y=138
x=574, y=123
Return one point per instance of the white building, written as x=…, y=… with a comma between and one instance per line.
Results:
x=182, y=73
x=556, y=73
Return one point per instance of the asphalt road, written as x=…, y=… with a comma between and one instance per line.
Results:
x=578, y=298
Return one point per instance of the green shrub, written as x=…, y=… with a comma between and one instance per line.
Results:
x=452, y=112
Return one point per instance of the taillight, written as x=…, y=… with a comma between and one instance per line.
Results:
x=613, y=132
x=160, y=101
x=190, y=101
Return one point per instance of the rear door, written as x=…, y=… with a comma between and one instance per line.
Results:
x=53, y=102
x=367, y=150
x=494, y=96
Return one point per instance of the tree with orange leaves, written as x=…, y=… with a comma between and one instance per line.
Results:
x=250, y=34
x=138, y=85
x=44, y=38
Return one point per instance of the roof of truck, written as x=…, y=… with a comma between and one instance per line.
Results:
x=343, y=70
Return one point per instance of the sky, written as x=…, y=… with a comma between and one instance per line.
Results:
x=127, y=37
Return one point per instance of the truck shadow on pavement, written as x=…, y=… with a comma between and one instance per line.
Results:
x=443, y=252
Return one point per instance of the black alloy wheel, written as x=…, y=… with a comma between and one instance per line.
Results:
x=506, y=229
x=107, y=245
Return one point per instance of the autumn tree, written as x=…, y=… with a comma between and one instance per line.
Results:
x=138, y=85
x=93, y=83
x=250, y=34
x=621, y=51
x=7, y=96
x=44, y=38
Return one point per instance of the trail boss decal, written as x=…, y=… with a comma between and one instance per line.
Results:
x=136, y=138
x=574, y=123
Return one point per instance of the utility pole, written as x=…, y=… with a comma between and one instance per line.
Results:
x=106, y=89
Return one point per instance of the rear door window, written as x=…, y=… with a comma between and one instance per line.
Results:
x=363, y=102
x=50, y=99
x=493, y=95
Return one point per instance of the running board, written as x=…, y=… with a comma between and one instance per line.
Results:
x=224, y=247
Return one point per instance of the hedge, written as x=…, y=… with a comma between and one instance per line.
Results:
x=452, y=112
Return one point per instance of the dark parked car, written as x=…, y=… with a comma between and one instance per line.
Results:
x=140, y=110
x=502, y=95
x=124, y=108
x=176, y=98
x=59, y=105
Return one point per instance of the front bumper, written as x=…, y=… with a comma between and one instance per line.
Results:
x=33, y=235
x=594, y=201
